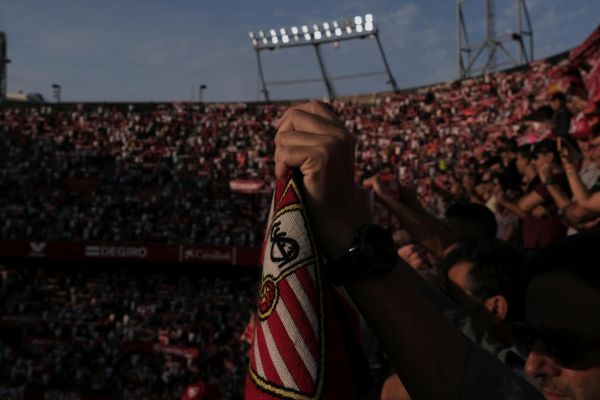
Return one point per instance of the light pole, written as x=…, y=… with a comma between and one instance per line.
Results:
x=56, y=92
x=201, y=90
x=3, y=62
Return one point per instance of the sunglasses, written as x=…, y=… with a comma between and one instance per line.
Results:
x=567, y=349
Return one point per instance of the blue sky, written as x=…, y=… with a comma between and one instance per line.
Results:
x=159, y=50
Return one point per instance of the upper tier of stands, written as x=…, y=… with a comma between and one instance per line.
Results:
x=188, y=173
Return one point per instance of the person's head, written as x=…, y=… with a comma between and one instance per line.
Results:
x=468, y=181
x=524, y=158
x=546, y=152
x=508, y=150
x=471, y=221
x=486, y=273
x=558, y=100
x=562, y=329
x=583, y=143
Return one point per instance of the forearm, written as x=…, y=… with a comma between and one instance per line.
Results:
x=513, y=208
x=427, y=351
x=559, y=197
x=422, y=226
x=578, y=188
x=575, y=214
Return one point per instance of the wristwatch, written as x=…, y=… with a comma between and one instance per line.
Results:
x=373, y=252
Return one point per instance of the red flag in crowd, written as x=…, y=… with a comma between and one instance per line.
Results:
x=304, y=347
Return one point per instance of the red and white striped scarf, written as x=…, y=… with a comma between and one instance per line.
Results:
x=304, y=346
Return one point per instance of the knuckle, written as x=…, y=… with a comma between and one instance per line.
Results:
x=280, y=138
x=315, y=105
x=323, y=153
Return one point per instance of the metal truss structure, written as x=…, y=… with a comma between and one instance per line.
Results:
x=3, y=62
x=482, y=57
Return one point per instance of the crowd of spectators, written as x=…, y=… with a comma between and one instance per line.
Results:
x=121, y=334
x=520, y=146
x=133, y=173
x=162, y=173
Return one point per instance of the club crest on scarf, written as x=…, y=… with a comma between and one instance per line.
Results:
x=287, y=355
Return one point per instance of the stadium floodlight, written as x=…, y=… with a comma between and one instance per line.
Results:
x=332, y=32
x=253, y=39
x=295, y=33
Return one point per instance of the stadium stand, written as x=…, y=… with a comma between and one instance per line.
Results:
x=202, y=175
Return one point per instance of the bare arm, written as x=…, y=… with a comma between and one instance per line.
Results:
x=581, y=193
x=528, y=202
x=575, y=214
x=559, y=197
x=511, y=206
x=432, y=233
x=423, y=345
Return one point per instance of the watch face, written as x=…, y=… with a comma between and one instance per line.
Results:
x=379, y=248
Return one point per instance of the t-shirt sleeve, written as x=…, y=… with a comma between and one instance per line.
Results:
x=488, y=378
x=542, y=190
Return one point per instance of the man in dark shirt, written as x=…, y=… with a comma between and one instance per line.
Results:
x=561, y=118
x=542, y=224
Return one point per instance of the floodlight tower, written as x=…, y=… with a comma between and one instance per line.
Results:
x=3, y=62
x=468, y=54
x=333, y=32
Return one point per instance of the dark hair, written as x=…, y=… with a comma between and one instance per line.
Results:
x=497, y=270
x=508, y=145
x=547, y=146
x=560, y=96
x=525, y=151
x=578, y=255
x=472, y=221
x=503, y=179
